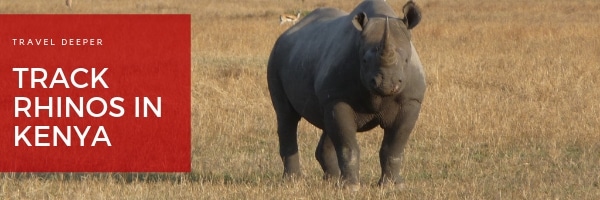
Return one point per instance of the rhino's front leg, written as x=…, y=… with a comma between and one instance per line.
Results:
x=340, y=125
x=394, y=140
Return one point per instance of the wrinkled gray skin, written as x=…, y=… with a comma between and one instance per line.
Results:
x=348, y=73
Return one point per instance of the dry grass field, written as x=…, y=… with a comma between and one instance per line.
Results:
x=512, y=109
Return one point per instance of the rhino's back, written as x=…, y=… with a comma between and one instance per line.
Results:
x=318, y=16
x=313, y=36
x=306, y=52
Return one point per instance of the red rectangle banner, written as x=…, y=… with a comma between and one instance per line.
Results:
x=95, y=93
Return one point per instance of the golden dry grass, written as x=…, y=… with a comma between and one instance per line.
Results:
x=512, y=107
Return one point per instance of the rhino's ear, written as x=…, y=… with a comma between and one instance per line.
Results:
x=412, y=14
x=360, y=20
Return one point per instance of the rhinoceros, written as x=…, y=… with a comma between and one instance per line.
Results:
x=347, y=73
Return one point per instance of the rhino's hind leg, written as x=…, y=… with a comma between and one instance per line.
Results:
x=327, y=157
x=287, y=125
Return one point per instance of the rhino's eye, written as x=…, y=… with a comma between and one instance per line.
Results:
x=406, y=60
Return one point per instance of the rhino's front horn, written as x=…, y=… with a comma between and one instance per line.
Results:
x=387, y=47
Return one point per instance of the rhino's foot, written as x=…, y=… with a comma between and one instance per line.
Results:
x=393, y=186
x=353, y=187
x=292, y=176
x=397, y=184
x=331, y=176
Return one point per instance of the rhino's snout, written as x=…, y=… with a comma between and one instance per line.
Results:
x=384, y=86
